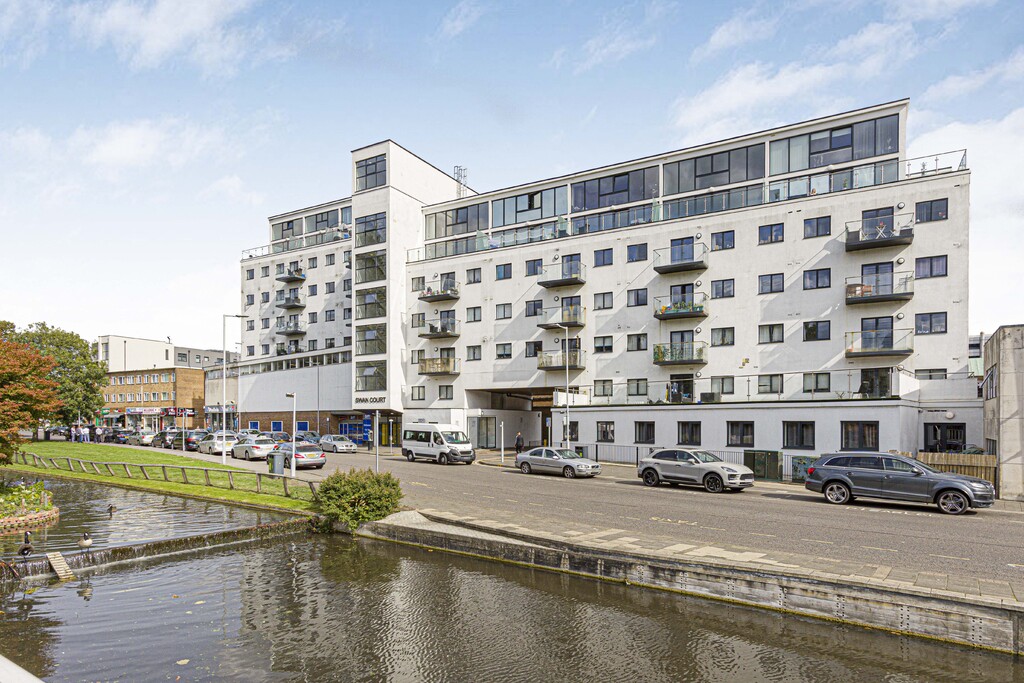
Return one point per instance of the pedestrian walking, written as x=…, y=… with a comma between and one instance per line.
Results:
x=519, y=443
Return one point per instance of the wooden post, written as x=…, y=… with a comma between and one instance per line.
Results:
x=231, y=480
x=127, y=472
x=206, y=471
x=284, y=480
x=312, y=489
x=110, y=471
x=97, y=468
x=184, y=477
x=164, y=468
x=259, y=482
x=70, y=467
x=144, y=472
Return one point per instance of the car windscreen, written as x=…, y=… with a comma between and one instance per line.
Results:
x=264, y=441
x=566, y=454
x=706, y=456
x=308, y=448
x=455, y=437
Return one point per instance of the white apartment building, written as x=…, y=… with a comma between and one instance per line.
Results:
x=801, y=289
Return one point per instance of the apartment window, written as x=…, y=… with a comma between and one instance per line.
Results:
x=371, y=173
x=250, y=350
x=265, y=323
x=465, y=220
x=329, y=315
x=636, y=387
x=798, y=435
x=723, y=385
x=372, y=229
x=769, y=384
x=723, y=289
x=312, y=316
x=534, y=267
x=930, y=323
x=770, y=334
x=875, y=383
x=265, y=271
x=473, y=314
x=371, y=339
x=473, y=276
x=623, y=188
x=934, y=373
x=445, y=392
x=770, y=284
x=934, y=210
x=329, y=343
x=723, y=336
x=329, y=260
x=534, y=308
x=418, y=320
x=643, y=432
x=636, y=297
x=636, y=342
x=311, y=262
x=605, y=432
x=817, y=227
x=602, y=257
x=503, y=311
x=723, y=240
x=250, y=325
x=930, y=266
x=419, y=284
x=330, y=287
x=688, y=433
x=473, y=353
x=603, y=387
x=371, y=267
x=603, y=344
x=740, y=434
x=533, y=348
x=250, y=274
x=636, y=252
x=817, y=381
x=265, y=349
x=418, y=355
x=530, y=206
x=818, y=279
x=503, y=351
x=721, y=168
x=311, y=345
x=602, y=301
x=264, y=297
x=371, y=375
x=419, y=393
x=819, y=330
x=769, y=234
x=859, y=436
x=312, y=290
x=250, y=299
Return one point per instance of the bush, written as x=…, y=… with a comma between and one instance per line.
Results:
x=18, y=500
x=358, y=496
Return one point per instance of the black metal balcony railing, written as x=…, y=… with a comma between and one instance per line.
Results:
x=439, y=366
x=446, y=289
x=681, y=306
x=681, y=258
x=563, y=316
x=564, y=274
x=443, y=328
x=556, y=360
x=880, y=287
x=868, y=343
x=680, y=353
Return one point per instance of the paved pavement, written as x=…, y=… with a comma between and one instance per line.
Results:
x=780, y=522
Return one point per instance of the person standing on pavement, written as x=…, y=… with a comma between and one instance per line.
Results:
x=519, y=443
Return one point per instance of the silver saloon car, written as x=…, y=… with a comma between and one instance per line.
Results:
x=695, y=467
x=557, y=461
x=306, y=455
x=253, y=448
x=337, y=443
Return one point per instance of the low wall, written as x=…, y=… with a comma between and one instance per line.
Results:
x=32, y=521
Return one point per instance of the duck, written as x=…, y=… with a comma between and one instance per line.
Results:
x=26, y=548
x=85, y=542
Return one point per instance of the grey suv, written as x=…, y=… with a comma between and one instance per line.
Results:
x=697, y=467
x=844, y=476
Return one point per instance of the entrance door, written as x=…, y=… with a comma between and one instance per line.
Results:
x=571, y=265
x=876, y=278
x=945, y=437
x=682, y=250
x=680, y=388
x=447, y=321
x=876, y=333
x=682, y=294
x=483, y=432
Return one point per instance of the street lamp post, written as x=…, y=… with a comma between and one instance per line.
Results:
x=292, y=397
x=224, y=390
x=568, y=440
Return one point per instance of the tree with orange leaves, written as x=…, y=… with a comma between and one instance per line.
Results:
x=27, y=394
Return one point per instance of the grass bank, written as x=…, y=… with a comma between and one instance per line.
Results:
x=240, y=487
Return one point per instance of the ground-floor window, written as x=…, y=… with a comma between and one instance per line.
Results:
x=740, y=434
x=945, y=437
x=859, y=436
x=606, y=432
x=277, y=426
x=302, y=426
x=798, y=435
x=644, y=432
x=254, y=424
x=688, y=433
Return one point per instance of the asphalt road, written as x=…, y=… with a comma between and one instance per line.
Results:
x=984, y=544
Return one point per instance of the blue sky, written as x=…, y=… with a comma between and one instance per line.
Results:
x=144, y=143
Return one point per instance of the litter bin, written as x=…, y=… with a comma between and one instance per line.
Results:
x=276, y=462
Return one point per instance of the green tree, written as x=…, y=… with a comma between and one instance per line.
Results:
x=28, y=394
x=78, y=376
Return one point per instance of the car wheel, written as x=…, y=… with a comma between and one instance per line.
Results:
x=443, y=459
x=568, y=472
x=837, y=493
x=410, y=457
x=319, y=467
x=651, y=478
x=247, y=455
x=713, y=484
x=953, y=502
x=525, y=468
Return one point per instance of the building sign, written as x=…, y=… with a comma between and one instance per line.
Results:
x=143, y=411
x=216, y=409
x=178, y=412
x=371, y=399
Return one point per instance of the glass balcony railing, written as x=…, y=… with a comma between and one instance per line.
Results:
x=343, y=232
x=441, y=328
x=292, y=301
x=292, y=275
x=681, y=306
x=563, y=316
x=439, y=366
x=293, y=327
x=883, y=231
x=557, y=360
x=866, y=343
x=880, y=287
x=681, y=258
x=680, y=353
x=564, y=274
x=446, y=289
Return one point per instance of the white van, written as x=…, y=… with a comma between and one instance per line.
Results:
x=438, y=442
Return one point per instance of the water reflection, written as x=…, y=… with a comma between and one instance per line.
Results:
x=329, y=609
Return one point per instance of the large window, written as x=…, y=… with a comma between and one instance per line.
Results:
x=530, y=206
x=769, y=234
x=636, y=252
x=818, y=330
x=931, y=266
x=818, y=227
x=798, y=435
x=643, y=432
x=723, y=240
x=875, y=383
x=612, y=190
x=371, y=229
x=371, y=173
x=834, y=146
x=859, y=436
x=636, y=342
x=462, y=221
x=688, y=433
x=723, y=336
x=324, y=220
x=723, y=385
x=723, y=289
x=602, y=257
x=602, y=301
x=817, y=381
x=371, y=303
x=930, y=323
x=605, y=432
x=636, y=297
x=371, y=267
x=770, y=284
x=820, y=278
x=372, y=375
x=934, y=210
x=740, y=434
x=603, y=344
x=723, y=168
x=769, y=384
x=534, y=307
x=770, y=334
x=503, y=271
x=371, y=339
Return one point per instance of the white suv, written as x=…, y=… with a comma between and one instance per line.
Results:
x=695, y=467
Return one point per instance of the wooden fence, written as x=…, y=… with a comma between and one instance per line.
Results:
x=980, y=465
x=236, y=480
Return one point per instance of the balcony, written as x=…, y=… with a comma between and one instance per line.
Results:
x=439, y=366
x=565, y=274
x=289, y=350
x=291, y=328
x=556, y=360
x=562, y=316
x=869, y=289
x=875, y=233
x=444, y=328
x=686, y=306
x=680, y=259
x=440, y=290
x=872, y=343
x=292, y=275
x=681, y=353
x=292, y=301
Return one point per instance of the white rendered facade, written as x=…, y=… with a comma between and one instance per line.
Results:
x=685, y=283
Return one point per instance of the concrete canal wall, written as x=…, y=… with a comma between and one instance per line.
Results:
x=977, y=621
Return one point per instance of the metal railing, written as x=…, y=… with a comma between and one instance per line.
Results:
x=571, y=316
x=880, y=342
x=680, y=353
x=556, y=360
x=681, y=257
x=291, y=275
x=439, y=366
x=882, y=228
x=293, y=327
x=295, y=243
x=934, y=164
x=566, y=271
x=447, y=288
x=880, y=285
x=441, y=327
x=292, y=301
x=681, y=306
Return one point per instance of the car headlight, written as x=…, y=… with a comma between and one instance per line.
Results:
x=730, y=470
x=983, y=485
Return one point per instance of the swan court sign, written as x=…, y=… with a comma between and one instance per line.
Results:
x=370, y=400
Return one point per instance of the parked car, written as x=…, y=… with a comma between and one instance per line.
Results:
x=143, y=437
x=121, y=435
x=842, y=477
x=307, y=436
x=278, y=437
x=253, y=447
x=569, y=464
x=163, y=438
x=337, y=443
x=249, y=432
x=696, y=467
x=438, y=442
x=216, y=443
x=191, y=437
x=306, y=455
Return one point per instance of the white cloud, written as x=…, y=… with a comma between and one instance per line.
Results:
x=742, y=28
x=620, y=36
x=148, y=34
x=931, y=10
x=233, y=189
x=1010, y=69
x=23, y=29
x=460, y=17
x=143, y=143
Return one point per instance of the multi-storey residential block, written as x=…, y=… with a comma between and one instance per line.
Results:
x=802, y=288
